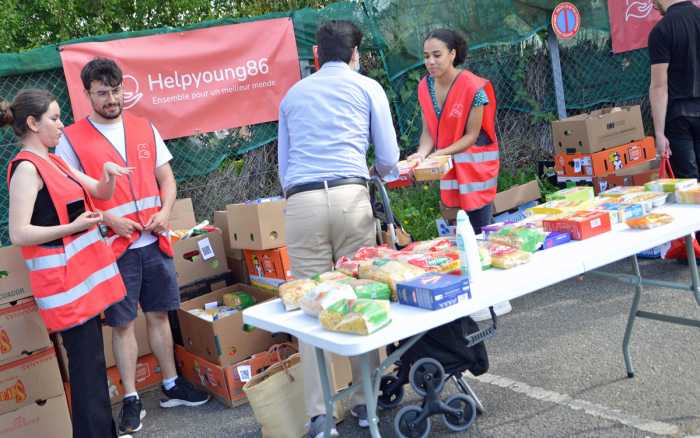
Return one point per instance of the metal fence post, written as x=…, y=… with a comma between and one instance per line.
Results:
x=553, y=45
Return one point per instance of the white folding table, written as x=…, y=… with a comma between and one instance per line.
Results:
x=546, y=268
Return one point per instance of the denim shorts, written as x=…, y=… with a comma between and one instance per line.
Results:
x=149, y=276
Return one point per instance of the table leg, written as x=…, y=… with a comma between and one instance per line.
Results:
x=371, y=394
x=693, y=265
x=632, y=318
x=326, y=388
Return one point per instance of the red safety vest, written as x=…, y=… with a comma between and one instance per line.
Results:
x=78, y=280
x=136, y=197
x=472, y=182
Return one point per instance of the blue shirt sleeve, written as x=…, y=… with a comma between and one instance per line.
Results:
x=480, y=98
x=282, y=147
x=383, y=135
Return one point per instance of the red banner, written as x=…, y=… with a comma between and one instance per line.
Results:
x=630, y=23
x=196, y=81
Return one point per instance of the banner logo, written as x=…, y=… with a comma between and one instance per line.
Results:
x=132, y=95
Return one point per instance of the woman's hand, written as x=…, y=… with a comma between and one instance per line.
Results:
x=87, y=220
x=112, y=170
x=418, y=157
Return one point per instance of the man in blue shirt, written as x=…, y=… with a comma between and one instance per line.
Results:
x=326, y=123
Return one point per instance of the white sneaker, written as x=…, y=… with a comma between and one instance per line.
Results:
x=499, y=308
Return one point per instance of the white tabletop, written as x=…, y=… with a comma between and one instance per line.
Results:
x=547, y=267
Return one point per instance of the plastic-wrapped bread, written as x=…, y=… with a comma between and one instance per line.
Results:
x=360, y=317
x=369, y=289
x=325, y=295
x=390, y=272
x=293, y=291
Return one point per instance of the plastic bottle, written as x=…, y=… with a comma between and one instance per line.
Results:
x=470, y=264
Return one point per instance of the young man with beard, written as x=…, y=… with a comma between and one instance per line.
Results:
x=674, y=93
x=137, y=218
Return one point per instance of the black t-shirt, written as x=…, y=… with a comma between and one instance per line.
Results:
x=676, y=40
x=44, y=214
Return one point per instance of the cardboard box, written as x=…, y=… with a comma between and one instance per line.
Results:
x=44, y=418
x=221, y=222
x=148, y=375
x=21, y=330
x=404, y=179
x=581, y=225
x=269, y=263
x=516, y=196
x=200, y=256
x=433, y=291
x=555, y=238
x=31, y=378
x=631, y=176
x=239, y=272
x=224, y=341
x=515, y=215
x=223, y=382
x=433, y=169
x=256, y=225
x=598, y=130
x=14, y=276
x=605, y=162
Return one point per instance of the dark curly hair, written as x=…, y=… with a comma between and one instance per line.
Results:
x=454, y=41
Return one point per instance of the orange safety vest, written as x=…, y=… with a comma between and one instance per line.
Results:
x=472, y=182
x=78, y=280
x=136, y=197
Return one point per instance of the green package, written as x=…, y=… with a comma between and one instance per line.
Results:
x=524, y=239
x=361, y=317
x=369, y=289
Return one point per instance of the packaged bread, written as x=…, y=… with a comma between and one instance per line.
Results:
x=389, y=272
x=651, y=220
x=670, y=185
x=369, y=289
x=360, y=317
x=438, y=261
x=350, y=267
x=434, y=245
x=374, y=252
x=506, y=257
x=689, y=196
x=329, y=276
x=528, y=239
x=325, y=295
x=293, y=291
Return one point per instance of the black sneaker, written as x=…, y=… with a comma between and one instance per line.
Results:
x=131, y=414
x=183, y=394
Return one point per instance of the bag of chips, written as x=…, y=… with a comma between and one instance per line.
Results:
x=361, y=317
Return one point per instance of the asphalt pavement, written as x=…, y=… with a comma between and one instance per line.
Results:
x=556, y=370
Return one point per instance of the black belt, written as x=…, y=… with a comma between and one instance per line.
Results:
x=323, y=184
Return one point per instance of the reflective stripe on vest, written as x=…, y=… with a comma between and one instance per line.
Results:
x=452, y=184
x=132, y=207
x=73, y=248
x=476, y=157
x=62, y=298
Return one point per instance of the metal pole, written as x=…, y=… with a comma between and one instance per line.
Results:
x=553, y=44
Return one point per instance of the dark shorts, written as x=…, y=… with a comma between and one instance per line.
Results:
x=149, y=276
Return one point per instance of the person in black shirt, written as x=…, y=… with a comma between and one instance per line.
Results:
x=674, y=93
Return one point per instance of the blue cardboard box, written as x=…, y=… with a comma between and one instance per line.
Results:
x=433, y=290
x=556, y=238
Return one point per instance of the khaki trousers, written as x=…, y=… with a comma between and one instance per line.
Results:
x=322, y=226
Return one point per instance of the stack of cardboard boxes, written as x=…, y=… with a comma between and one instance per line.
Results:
x=32, y=399
x=605, y=147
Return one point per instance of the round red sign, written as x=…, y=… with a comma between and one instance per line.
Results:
x=566, y=20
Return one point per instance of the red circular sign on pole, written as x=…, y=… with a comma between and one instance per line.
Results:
x=566, y=20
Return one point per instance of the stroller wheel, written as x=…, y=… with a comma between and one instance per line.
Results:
x=389, y=398
x=405, y=425
x=426, y=370
x=467, y=408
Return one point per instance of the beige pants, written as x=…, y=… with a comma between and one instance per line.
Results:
x=322, y=226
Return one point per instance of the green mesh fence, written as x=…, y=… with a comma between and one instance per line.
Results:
x=507, y=40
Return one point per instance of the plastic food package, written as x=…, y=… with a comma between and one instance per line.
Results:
x=369, y=289
x=670, y=185
x=329, y=276
x=557, y=207
x=349, y=267
x=214, y=313
x=575, y=194
x=293, y=291
x=374, y=252
x=506, y=257
x=621, y=212
x=523, y=238
x=325, y=295
x=439, y=261
x=648, y=200
x=484, y=255
x=238, y=300
x=652, y=220
x=361, y=317
x=389, y=272
x=620, y=191
x=689, y=196
x=428, y=246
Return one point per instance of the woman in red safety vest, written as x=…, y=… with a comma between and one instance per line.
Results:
x=459, y=114
x=72, y=271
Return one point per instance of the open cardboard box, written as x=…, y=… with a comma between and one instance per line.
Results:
x=200, y=256
x=516, y=196
x=223, y=341
x=256, y=225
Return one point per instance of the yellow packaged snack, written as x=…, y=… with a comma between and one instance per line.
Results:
x=293, y=291
x=361, y=317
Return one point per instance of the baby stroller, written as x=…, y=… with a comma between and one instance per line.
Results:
x=442, y=354
x=389, y=229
